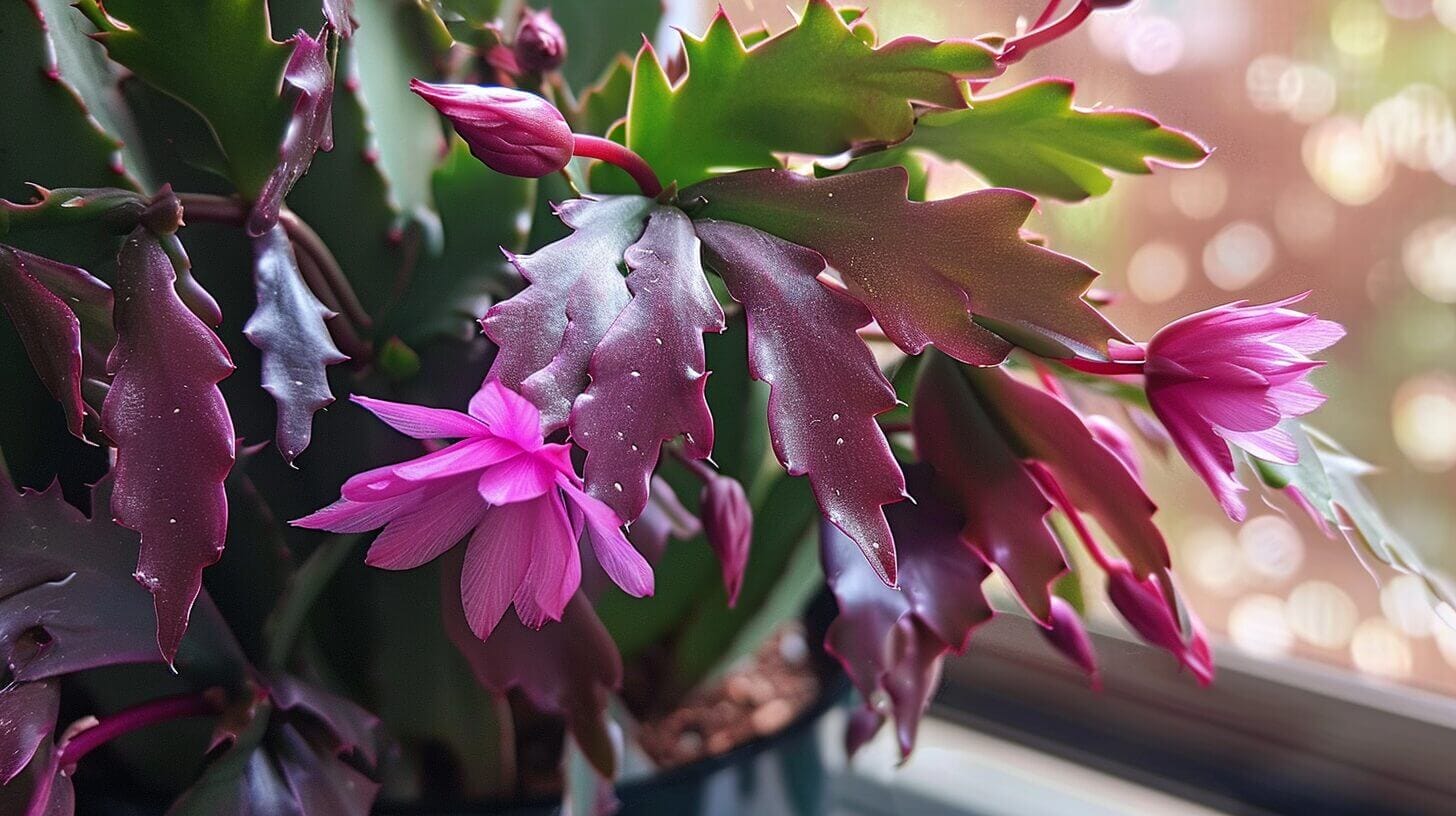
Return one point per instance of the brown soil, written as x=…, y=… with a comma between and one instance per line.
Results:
x=756, y=699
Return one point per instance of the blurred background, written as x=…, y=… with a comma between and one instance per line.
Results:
x=1334, y=171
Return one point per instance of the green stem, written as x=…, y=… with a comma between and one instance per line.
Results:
x=280, y=633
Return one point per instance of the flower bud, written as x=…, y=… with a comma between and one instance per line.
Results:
x=540, y=44
x=511, y=131
x=1141, y=603
x=1068, y=636
x=728, y=525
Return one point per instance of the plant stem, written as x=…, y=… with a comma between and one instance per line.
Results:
x=1046, y=14
x=1017, y=48
x=281, y=630
x=1109, y=368
x=595, y=147
x=151, y=712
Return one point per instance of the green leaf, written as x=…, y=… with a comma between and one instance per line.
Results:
x=605, y=103
x=597, y=34
x=480, y=214
x=1330, y=480
x=392, y=45
x=219, y=58
x=1033, y=139
x=816, y=88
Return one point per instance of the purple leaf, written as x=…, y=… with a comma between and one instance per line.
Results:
x=288, y=328
x=566, y=667
x=955, y=273
x=892, y=641
x=28, y=714
x=649, y=372
x=1042, y=428
x=305, y=753
x=340, y=14
x=173, y=435
x=67, y=601
x=48, y=328
x=1005, y=509
x=310, y=128
x=548, y=331
x=826, y=388
x=40, y=789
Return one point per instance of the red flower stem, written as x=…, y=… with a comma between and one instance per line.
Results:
x=1046, y=14
x=705, y=474
x=595, y=147
x=1105, y=368
x=152, y=712
x=1049, y=485
x=1018, y=47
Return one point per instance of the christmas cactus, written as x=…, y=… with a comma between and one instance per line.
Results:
x=614, y=354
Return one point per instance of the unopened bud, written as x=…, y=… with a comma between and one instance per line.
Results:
x=1068, y=636
x=511, y=131
x=728, y=525
x=540, y=44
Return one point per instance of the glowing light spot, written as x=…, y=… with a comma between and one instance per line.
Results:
x=1415, y=127
x=1154, y=45
x=1359, y=28
x=1272, y=546
x=1200, y=194
x=1157, y=272
x=1321, y=614
x=1213, y=558
x=1429, y=255
x=1345, y=162
x=1423, y=419
x=1407, y=605
x=1378, y=649
x=1445, y=12
x=1238, y=255
x=1257, y=625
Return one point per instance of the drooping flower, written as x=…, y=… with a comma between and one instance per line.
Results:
x=511, y=131
x=1230, y=375
x=540, y=44
x=1068, y=636
x=1143, y=605
x=517, y=497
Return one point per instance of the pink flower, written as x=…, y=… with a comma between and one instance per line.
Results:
x=1230, y=375
x=540, y=43
x=511, y=131
x=520, y=496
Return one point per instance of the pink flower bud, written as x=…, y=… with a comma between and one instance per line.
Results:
x=1114, y=438
x=540, y=44
x=511, y=131
x=728, y=525
x=1068, y=636
x=1142, y=604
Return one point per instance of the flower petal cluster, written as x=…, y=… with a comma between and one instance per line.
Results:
x=517, y=497
x=1230, y=375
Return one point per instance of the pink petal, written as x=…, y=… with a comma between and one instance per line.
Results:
x=496, y=560
x=461, y=457
x=422, y=422
x=524, y=476
x=1273, y=444
x=1206, y=453
x=555, y=570
x=348, y=516
x=508, y=414
x=619, y=559
x=419, y=536
x=1313, y=336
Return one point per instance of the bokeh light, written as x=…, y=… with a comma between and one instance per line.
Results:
x=1423, y=419
x=1200, y=194
x=1377, y=648
x=1238, y=255
x=1359, y=28
x=1407, y=605
x=1346, y=161
x=1429, y=255
x=1322, y=614
x=1157, y=272
x=1272, y=546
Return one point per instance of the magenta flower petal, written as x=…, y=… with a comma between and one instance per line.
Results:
x=422, y=422
x=619, y=559
x=1143, y=605
x=507, y=414
x=495, y=564
x=1230, y=376
x=555, y=570
x=462, y=457
x=516, y=479
x=419, y=536
x=349, y=516
x=511, y=131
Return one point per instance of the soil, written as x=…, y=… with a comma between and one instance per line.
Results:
x=756, y=699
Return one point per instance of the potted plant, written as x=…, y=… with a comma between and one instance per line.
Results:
x=314, y=542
